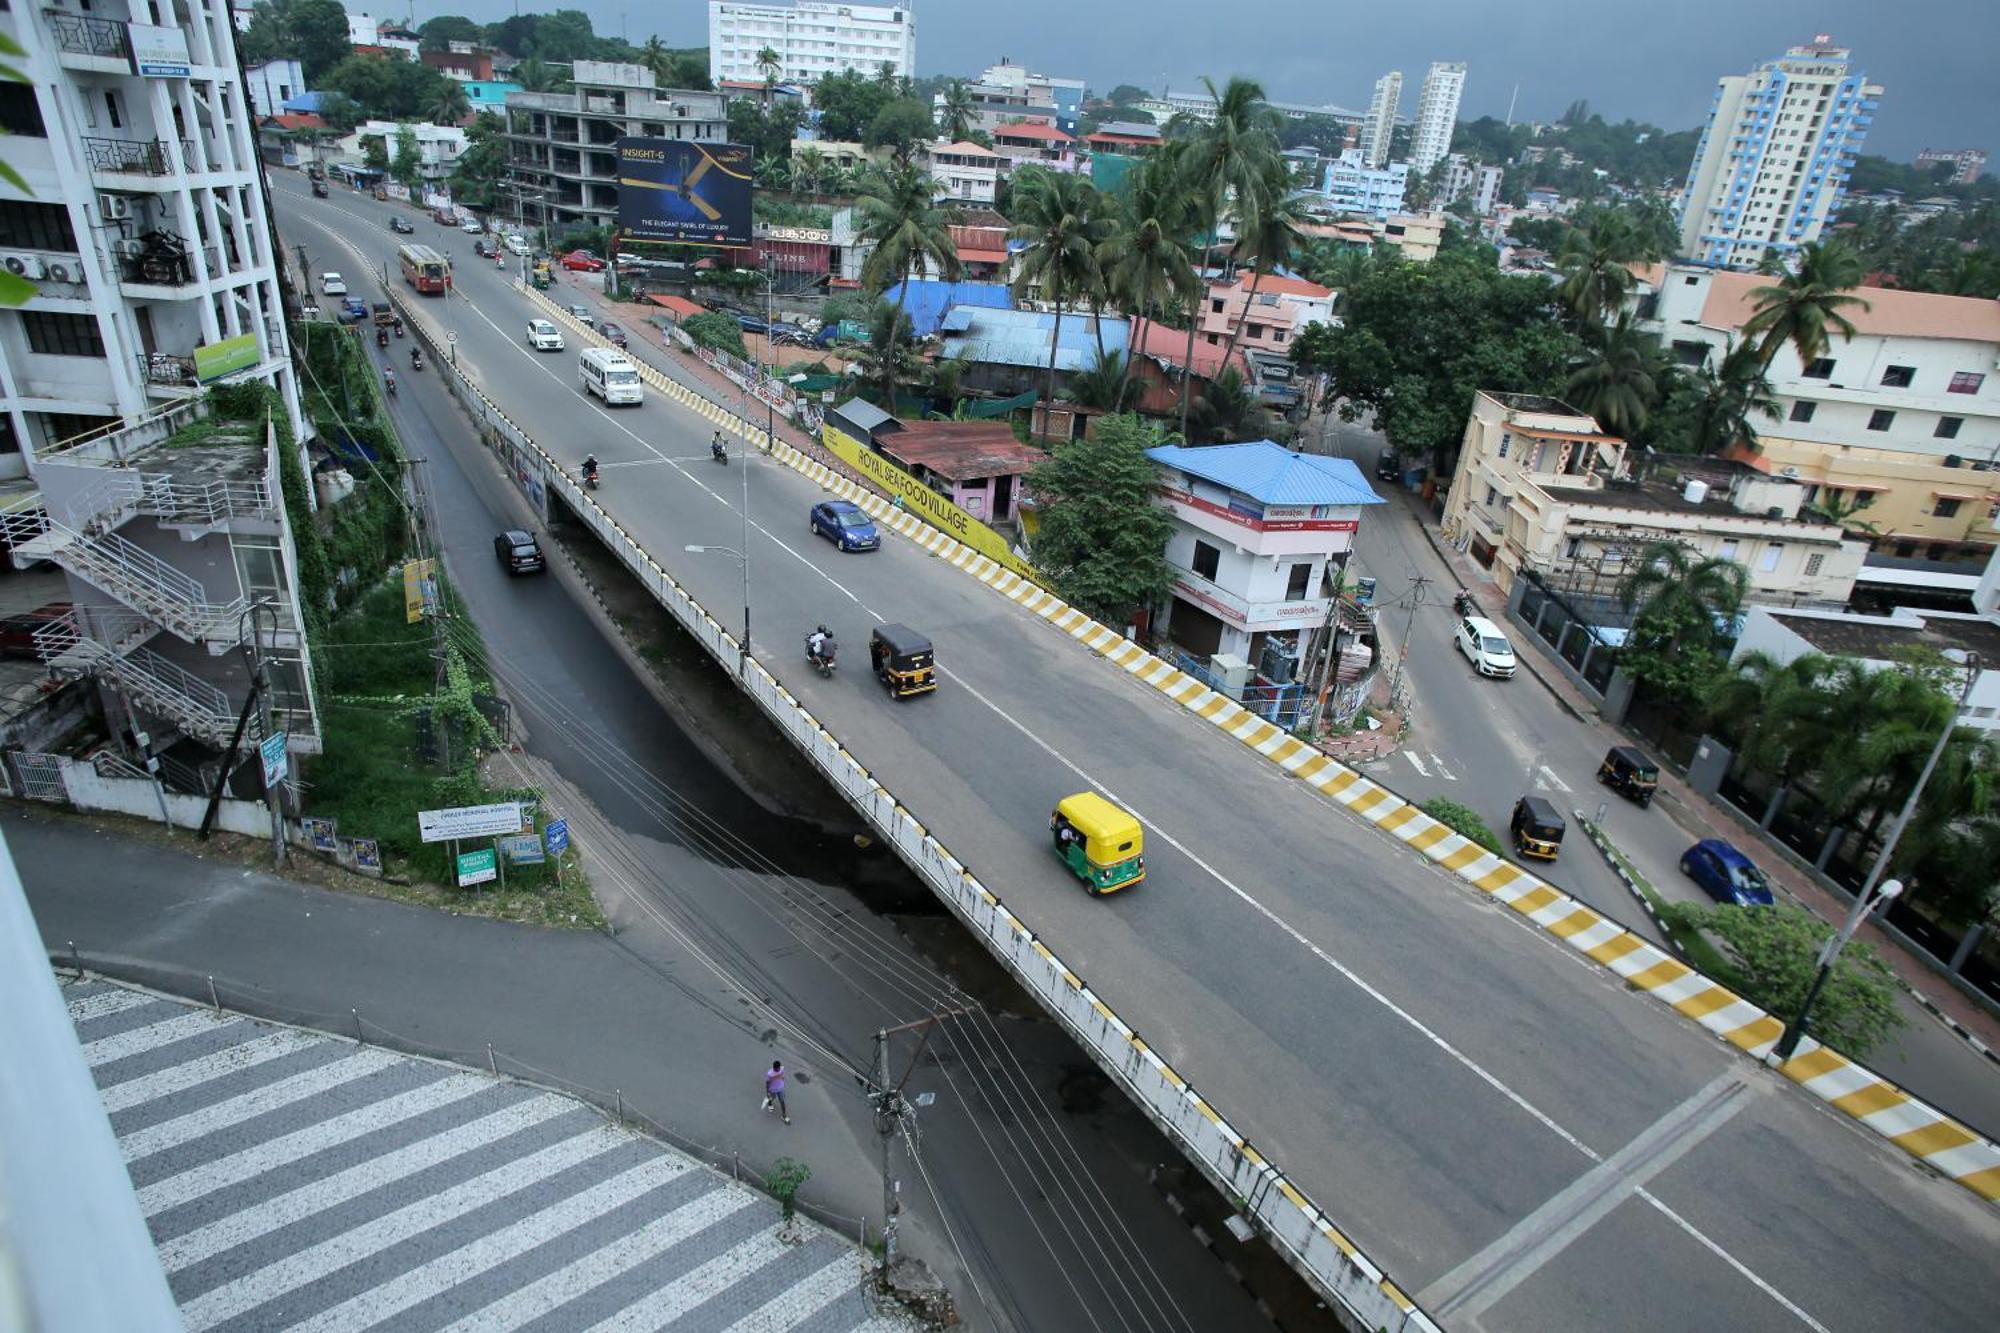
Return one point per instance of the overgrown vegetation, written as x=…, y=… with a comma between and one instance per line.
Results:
x=1462, y=820
x=1098, y=536
x=717, y=331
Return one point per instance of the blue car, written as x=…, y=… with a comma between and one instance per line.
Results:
x=842, y=523
x=1725, y=874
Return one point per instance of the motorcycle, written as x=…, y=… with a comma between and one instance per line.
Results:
x=822, y=661
x=381, y=337
x=1461, y=604
x=389, y=380
x=416, y=358
x=718, y=451
x=590, y=476
x=399, y=328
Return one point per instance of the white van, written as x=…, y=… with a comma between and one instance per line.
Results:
x=609, y=374
x=1486, y=647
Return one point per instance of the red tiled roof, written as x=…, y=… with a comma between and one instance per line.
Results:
x=1277, y=284
x=980, y=245
x=974, y=256
x=296, y=121
x=1121, y=140
x=1170, y=345
x=680, y=305
x=961, y=450
x=1047, y=133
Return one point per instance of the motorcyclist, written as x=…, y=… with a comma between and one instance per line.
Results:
x=590, y=469
x=399, y=326
x=389, y=380
x=820, y=647
x=716, y=448
x=416, y=358
x=381, y=336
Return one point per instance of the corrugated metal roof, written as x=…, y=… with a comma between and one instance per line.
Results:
x=864, y=414
x=928, y=300
x=1021, y=337
x=1272, y=473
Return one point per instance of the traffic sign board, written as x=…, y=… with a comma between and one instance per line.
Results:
x=477, y=867
x=558, y=836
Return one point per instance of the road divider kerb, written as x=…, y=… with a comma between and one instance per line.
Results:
x=1285, y=1214
x=1961, y=1155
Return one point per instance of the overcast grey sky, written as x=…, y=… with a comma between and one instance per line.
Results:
x=1655, y=62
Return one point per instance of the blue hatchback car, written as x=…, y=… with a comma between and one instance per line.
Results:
x=1725, y=874
x=842, y=523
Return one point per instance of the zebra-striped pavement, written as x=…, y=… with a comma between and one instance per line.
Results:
x=299, y=1181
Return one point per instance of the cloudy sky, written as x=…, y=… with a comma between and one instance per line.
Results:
x=1652, y=62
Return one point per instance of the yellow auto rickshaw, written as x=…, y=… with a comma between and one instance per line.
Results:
x=1101, y=844
x=902, y=660
x=540, y=276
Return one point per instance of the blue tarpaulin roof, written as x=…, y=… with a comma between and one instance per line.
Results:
x=929, y=300
x=1271, y=473
x=1021, y=337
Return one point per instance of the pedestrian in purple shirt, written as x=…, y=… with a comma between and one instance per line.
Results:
x=774, y=1090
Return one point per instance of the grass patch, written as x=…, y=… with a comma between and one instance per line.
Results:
x=1694, y=947
x=396, y=743
x=1464, y=821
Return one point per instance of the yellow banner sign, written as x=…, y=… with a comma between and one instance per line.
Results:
x=419, y=589
x=920, y=499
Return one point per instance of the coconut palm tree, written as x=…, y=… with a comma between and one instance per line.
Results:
x=1056, y=213
x=1778, y=714
x=1228, y=410
x=1801, y=306
x=897, y=211
x=956, y=114
x=1616, y=382
x=1593, y=263
x=808, y=169
x=451, y=104
x=1268, y=217
x=1730, y=397
x=1145, y=260
x=1226, y=157
x=770, y=66
x=1685, y=594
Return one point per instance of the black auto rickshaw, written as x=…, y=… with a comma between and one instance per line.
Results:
x=902, y=660
x=1630, y=773
x=1537, y=828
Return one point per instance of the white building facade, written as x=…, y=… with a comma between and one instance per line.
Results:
x=144, y=227
x=1380, y=126
x=812, y=39
x=967, y=173
x=272, y=84
x=1773, y=160
x=438, y=146
x=1886, y=643
x=1475, y=182
x=1352, y=186
x=1437, y=114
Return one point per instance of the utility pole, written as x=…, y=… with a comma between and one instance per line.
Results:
x=1330, y=663
x=890, y=1109
x=1409, y=625
x=252, y=644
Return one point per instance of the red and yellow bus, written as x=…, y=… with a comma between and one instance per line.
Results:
x=425, y=269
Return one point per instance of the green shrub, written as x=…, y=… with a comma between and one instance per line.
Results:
x=1463, y=820
x=718, y=331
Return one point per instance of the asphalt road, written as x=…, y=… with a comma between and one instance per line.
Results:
x=1485, y=742
x=683, y=868
x=1428, y=1068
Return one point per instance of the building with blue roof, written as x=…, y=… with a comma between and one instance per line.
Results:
x=1261, y=536
x=1008, y=350
x=928, y=301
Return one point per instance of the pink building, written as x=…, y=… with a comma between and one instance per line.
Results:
x=1281, y=307
x=1044, y=145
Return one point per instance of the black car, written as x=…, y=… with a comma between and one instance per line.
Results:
x=402, y=226
x=485, y=249
x=519, y=552
x=1387, y=466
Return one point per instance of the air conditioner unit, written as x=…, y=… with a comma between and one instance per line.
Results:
x=128, y=249
x=114, y=207
x=23, y=266
x=1789, y=472
x=60, y=272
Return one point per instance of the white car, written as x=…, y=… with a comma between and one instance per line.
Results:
x=544, y=336
x=517, y=245
x=333, y=284
x=1486, y=647
x=581, y=314
x=471, y=227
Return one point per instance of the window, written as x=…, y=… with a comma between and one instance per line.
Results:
x=62, y=335
x=1898, y=377
x=1207, y=559
x=30, y=226
x=1216, y=306
x=1881, y=419
x=1965, y=381
x=1295, y=586
x=1492, y=497
x=1772, y=554
x=1947, y=428
x=1864, y=499
x=1728, y=551
x=1819, y=368
x=1803, y=411
x=1813, y=563
x=1946, y=507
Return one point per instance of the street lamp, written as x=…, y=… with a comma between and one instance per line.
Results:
x=742, y=558
x=1871, y=896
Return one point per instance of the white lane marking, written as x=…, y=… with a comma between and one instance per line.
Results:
x=804, y=1298
x=150, y=1087
x=358, y=1063
x=1548, y=775
x=106, y=1003
x=137, y=1041
x=1297, y=936
x=1416, y=763
x=1443, y=771
x=662, y=1305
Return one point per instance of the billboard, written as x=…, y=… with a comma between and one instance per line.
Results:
x=675, y=190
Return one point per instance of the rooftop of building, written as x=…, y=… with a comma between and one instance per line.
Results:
x=1276, y=284
x=962, y=148
x=1043, y=133
x=1881, y=638
x=1271, y=473
x=1536, y=402
x=961, y=450
x=1732, y=300
x=1167, y=345
x=1667, y=493
x=1021, y=337
x=927, y=301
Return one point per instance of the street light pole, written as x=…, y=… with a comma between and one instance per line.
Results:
x=743, y=650
x=1870, y=896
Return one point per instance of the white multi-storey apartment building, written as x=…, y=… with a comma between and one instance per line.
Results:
x=1352, y=186
x=1899, y=424
x=146, y=231
x=1967, y=164
x=1437, y=114
x=1473, y=181
x=1380, y=126
x=1773, y=160
x=812, y=39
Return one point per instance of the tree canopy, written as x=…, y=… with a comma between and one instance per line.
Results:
x=387, y=88
x=1099, y=536
x=900, y=126
x=848, y=103
x=1421, y=339
x=314, y=32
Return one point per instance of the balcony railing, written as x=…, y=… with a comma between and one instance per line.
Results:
x=84, y=36
x=167, y=369
x=143, y=157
